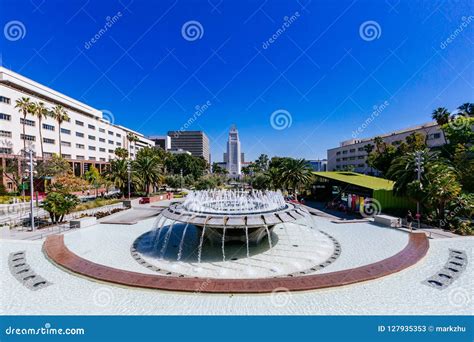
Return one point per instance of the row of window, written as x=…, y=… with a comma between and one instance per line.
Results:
x=350, y=165
x=350, y=158
x=352, y=150
x=4, y=99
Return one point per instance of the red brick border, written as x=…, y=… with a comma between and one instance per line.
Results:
x=415, y=250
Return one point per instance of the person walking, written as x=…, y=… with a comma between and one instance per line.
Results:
x=410, y=220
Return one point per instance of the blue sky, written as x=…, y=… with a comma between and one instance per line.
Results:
x=323, y=70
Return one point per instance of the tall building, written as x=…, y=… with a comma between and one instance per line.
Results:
x=234, y=156
x=351, y=154
x=161, y=141
x=87, y=138
x=195, y=142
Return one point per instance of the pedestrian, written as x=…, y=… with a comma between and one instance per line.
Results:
x=410, y=220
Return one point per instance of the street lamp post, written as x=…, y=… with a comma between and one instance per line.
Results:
x=32, y=216
x=419, y=170
x=129, y=170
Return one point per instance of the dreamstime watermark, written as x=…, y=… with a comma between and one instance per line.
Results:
x=459, y=122
x=108, y=116
x=465, y=21
x=110, y=21
x=375, y=113
x=371, y=207
x=287, y=22
x=280, y=297
x=46, y=330
x=14, y=30
x=281, y=119
x=192, y=30
x=102, y=297
x=199, y=110
x=370, y=30
x=460, y=297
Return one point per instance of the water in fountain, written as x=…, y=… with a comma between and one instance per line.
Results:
x=223, y=244
x=167, y=239
x=201, y=241
x=269, y=236
x=181, y=244
x=233, y=201
x=247, y=239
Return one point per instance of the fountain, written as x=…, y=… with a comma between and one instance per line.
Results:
x=224, y=215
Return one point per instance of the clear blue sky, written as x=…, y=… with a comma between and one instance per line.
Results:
x=319, y=68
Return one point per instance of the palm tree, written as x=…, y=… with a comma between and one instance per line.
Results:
x=24, y=107
x=41, y=112
x=60, y=114
x=467, y=109
x=274, y=177
x=147, y=169
x=296, y=173
x=117, y=173
x=132, y=138
x=441, y=115
x=378, y=141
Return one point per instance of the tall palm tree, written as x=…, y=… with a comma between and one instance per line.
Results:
x=117, y=173
x=296, y=173
x=41, y=112
x=441, y=115
x=274, y=176
x=147, y=169
x=60, y=114
x=129, y=138
x=24, y=107
x=467, y=109
x=132, y=138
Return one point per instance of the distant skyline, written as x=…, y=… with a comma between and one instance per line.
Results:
x=296, y=77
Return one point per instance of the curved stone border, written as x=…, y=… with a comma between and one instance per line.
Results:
x=139, y=259
x=415, y=250
x=23, y=272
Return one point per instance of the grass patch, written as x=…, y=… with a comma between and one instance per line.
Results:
x=95, y=204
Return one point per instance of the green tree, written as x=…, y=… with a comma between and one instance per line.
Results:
x=40, y=111
x=94, y=178
x=218, y=170
x=25, y=108
x=55, y=166
x=60, y=115
x=441, y=115
x=296, y=173
x=467, y=109
x=58, y=205
x=262, y=163
x=121, y=153
x=117, y=173
x=147, y=169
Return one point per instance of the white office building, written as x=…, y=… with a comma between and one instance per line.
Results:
x=233, y=156
x=87, y=138
x=352, y=155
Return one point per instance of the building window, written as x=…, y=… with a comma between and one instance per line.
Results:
x=118, y=144
x=111, y=151
x=101, y=139
x=27, y=122
x=79, y=123
x=91, y=137
x=27, y=137
x=111, y=142
x=81, y=146
x=101, y=149
x=92, y=148
x=5, y=134
x=79, y=134
x=67, y=156
x=47, y=155
x=111, y=133
x=360, y=149
x=91, y=126
x=48, y=141
x=101, y=130
x=338, y=153
x=4, y=99
x=344, y=152
x=48, y=127
x=65, y=131
x=338, y=159
x=5, y=150
x=91, y=158
x=434, y=136
x=360, y=157
x=80, y=157
x=118, y=135
x=65, y=143
x=5, y=117
x=102, y=159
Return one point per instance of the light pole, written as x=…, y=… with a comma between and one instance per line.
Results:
x=181, y=174
x=129, y=170
x=419, y=170
x=32, y=216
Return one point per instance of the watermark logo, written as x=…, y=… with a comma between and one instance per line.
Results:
x=199, y=110
x=460, y=297
x=107, y=116
x=281, y=119
x=109, y=22
x=377, y=110
x=102, y=297
x=459, y=122
x=371, y=208
x=14, y=30
x=287, y=22
x=465, y=21
x=280, y=297
x=192, y=30
x=370, y=30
